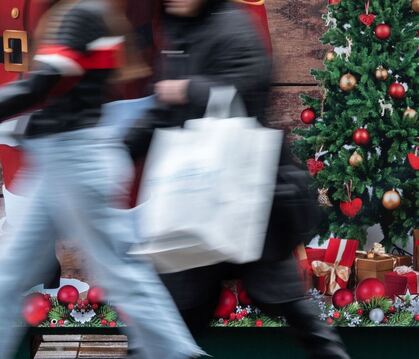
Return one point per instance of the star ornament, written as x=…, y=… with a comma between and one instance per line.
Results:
x=408, y=297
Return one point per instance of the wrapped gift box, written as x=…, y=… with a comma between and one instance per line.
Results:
x=305, y=257
x=398, y=282
x=378, y=266
x=334, y=270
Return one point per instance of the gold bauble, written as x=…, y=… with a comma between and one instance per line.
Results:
x=410, y=113
x=381, y=74
x=415, y=5
x=347, y=82
x=391, y=200
x=330, y=56
x=355, y=160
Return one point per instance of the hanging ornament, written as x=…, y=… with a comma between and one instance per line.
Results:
x=68, y=294
x=385, y=107
x=342, y=297
x=413, y=159
x=376, y=315
x=381, y=73
x=368, y=289
x=345, y=50
x=367, y=19
x=415, y=6
x=330, y=56
x=353, y=206
x=410, y=113
x=323, y=197
x=391, y=200
x=397, y=91
x=356, y=159
x=314, y=165
x=347, y=82
x=361, y=137
x=308, y=116
x=382, y=31
x=334, y=2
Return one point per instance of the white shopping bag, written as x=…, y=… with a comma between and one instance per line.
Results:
x=207, y=188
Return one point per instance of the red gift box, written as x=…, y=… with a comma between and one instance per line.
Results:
x=401, y=280
x=334, y=270
x=305, y=257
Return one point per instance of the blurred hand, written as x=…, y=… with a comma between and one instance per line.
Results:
x=172, y=92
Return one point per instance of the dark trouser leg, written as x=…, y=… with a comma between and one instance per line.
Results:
x=318, y=339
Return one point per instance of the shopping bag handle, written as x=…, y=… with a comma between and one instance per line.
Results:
x=225, y=102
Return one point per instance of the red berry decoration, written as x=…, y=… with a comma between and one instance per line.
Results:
x=413, y=159
x=360, y=312
x=70, y=306
x=329, y=321
x=352, y=208
x=336, y=315
x=397, y=91
x=259, y=323
x=368, y=289
x=314, y=166
x=382, y=31
x=61, y=322
x=112, y=324
x=226, y=305
x=361, y=137
x=68, y=295
x=417, y=317
x=392, y=309
x=96, y=295
x=35, y=309
x=308, y=116
x=103, y=322
x=232, y=316
x=334, y=2
x=342, y=297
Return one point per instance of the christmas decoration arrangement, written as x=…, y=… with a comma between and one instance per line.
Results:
x=366, y=121
x=69, y=309
x=368, y=306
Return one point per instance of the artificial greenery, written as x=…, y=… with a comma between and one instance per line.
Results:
x=340, y=113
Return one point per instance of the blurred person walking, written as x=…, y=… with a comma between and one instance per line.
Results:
x=84, y=172
x=210, y=43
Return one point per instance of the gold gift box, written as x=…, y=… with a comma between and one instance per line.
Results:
x=378, y=266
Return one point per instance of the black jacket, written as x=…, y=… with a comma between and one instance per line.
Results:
x=219, y=47
x=70, y=73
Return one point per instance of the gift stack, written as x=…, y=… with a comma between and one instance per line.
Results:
x=329, y=269
x=376, y=263
x=404, y=278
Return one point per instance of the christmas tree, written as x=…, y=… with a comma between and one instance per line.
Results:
x=360, y=140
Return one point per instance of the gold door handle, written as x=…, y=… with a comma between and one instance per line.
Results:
x=16, y=51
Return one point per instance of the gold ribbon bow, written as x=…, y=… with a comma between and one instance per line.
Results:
x=331, y=272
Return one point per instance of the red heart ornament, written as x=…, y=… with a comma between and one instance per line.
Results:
x=413, y=161
x=367, y=19
x=352, y=208
x=314, y=166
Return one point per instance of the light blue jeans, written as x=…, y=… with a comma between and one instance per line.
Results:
x=81, y=175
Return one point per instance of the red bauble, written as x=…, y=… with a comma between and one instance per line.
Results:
x=397, y=91
x=244, y=298
x=417, y=317
x=342, y=297
x=352, y=208
x=259, y=323
x=308, y=116
x=382, y=31
x=368, y=289
x=329, y=321
x=413, y=161
x=226, y=305
x=35, y=309
x=314, y=166
x=361, y=137
x=334, y=2
x=95, y=295
x=68, y=295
